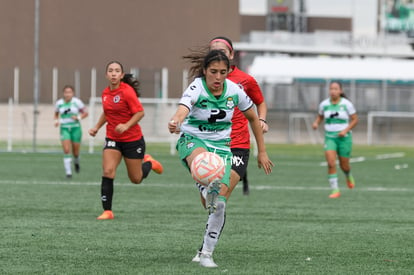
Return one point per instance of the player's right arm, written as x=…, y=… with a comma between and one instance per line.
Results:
x=56, y=119
x=101, y=121
x=188, y=99
x=178, y=118
x=317, y=121
x=319, y=118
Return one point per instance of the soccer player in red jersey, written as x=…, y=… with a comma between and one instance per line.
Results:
x=122, y=111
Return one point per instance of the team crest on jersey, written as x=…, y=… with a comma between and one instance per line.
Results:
x=117, y=98
x=230, y=103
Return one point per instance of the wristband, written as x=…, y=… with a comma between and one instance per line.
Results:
x=263, y=120
x=79, y=117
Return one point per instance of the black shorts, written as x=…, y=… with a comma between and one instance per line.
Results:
x=131, y=149
x=240, y=160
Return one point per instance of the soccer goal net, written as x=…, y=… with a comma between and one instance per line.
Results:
x=389, y=127
x=300, y=128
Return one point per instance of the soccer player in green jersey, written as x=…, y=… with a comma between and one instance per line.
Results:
x=340, y=117
x=69, y=111
x=203, y=119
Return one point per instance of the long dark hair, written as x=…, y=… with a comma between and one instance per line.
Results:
x=197, y=55
x=340, y=87
x=214, y=56
x=68, y=86
x=129, y=79
x=132, y=81
x=114, y=62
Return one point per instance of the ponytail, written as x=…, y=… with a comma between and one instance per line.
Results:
x=133, y=82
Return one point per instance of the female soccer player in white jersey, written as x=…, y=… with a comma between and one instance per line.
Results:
x=340, y=117
x=240, y=135
x=69, y=111
x=203, y=119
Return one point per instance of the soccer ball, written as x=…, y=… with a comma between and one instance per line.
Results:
x=207, y=167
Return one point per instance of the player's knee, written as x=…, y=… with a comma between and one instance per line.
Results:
x=135, y=180
x=331, y=164
x=109, y=173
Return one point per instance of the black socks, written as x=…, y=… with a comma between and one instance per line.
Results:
x=107, y=191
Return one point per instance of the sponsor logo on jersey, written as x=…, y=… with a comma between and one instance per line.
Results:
x=332, y=115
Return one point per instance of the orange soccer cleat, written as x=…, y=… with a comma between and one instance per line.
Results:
x=106, y=215
x=335, y=194
x=350, y=182
x=156, y=165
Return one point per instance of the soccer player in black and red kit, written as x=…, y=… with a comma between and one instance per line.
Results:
x=122, y=111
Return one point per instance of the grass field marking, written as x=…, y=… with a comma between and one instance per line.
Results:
x=351, y=160
x=255, y=187
x=374, y=189
x=401, y=166
x=377, y=157
x=74, y=182
x=390, y=156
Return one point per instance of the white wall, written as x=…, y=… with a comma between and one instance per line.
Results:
x=364, y=20
x=330, y=8
x=253, y=7
x=362, y=12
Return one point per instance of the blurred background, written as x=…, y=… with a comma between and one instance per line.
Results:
x=293, y=48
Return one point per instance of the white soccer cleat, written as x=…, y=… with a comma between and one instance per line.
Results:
x=213, y=190
x=196, y=258
x=206, y=260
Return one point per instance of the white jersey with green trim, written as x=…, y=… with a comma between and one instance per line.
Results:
x=210, y=117
x=68, y=109
x=336, y=115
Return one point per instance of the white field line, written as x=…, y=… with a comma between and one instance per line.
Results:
x=191, y=185
x=391, y=156
x=377, y=157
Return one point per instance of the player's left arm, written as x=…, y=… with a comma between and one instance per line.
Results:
x=262, y=157
x=262, y=113
x=122, y=127
x=352, y=123
x=135, y=107
x=253, y=90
